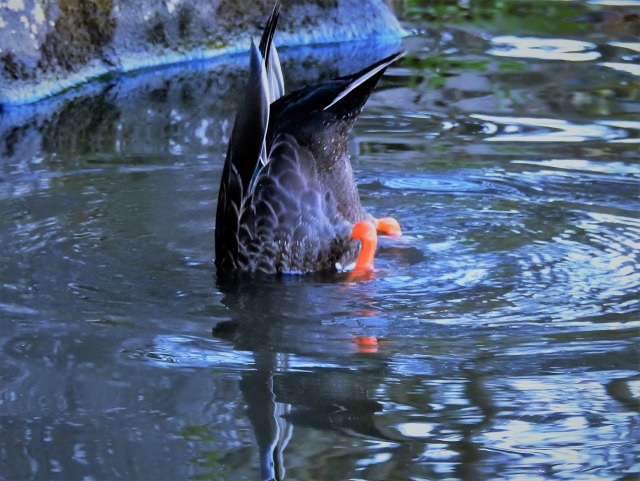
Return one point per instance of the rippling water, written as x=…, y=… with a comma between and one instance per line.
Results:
x=505, y=142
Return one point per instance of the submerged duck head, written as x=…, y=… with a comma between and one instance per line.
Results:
x=288, y=201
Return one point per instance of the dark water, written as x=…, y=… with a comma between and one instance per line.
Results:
x=506, y=143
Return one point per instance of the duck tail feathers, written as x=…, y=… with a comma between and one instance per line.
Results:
x=247, y=146
x=270, y=55
x=361, y=84
x=246, y=154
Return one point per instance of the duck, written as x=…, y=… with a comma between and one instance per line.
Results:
x=288, y=201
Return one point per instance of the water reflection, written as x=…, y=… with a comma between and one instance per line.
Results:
x=544, y=48
x=283, y=389
x=510, y=129
x=340, y=391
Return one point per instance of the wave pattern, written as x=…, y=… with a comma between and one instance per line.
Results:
x=497, y=339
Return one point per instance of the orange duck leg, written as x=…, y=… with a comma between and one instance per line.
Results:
x=365, y=232
x=388, y=226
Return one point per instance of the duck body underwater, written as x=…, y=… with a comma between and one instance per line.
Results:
x=288, y=201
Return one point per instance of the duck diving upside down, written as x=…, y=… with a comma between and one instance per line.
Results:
x=288, y=201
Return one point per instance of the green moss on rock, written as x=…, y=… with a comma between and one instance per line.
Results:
x=82, y=32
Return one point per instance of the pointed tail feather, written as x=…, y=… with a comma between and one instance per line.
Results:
x=364, y=80
x=246, y=153
x=247, y=149
x=269, y=31
x=268, y=50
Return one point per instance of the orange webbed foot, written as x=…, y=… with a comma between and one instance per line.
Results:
x=365, y=232
x=388, y=226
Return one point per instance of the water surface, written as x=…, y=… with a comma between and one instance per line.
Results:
x=505, y=142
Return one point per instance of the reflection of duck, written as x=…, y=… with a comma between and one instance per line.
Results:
x=278, y=400
x=306, y=373
x=288, y=201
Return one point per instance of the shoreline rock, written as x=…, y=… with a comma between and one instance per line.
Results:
x=49, y=47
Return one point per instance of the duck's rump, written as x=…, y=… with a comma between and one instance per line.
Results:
x=291, y=221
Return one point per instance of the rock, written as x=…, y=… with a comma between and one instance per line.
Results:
x=49, y=46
